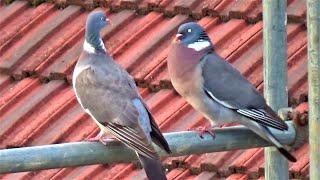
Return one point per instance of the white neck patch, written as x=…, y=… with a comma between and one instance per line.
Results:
x=199, y=45
x=90, y=49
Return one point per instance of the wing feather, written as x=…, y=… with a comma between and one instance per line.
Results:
x=226, y=85
x=125, y=135
x=261, y=117
x=105, y=93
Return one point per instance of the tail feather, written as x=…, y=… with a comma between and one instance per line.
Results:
x=286, y=154
x=279, y=146
x=266, y=134
x=152, y=167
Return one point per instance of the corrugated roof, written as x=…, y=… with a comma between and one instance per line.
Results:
x=39, y=47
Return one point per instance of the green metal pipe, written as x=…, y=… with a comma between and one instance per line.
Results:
x=87, y=153
x=275, y=76
x=313, y=24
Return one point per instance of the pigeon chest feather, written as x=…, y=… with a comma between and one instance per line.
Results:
x=189, y=83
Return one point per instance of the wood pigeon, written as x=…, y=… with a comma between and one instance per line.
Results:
x=216, y=89
x=109, y=95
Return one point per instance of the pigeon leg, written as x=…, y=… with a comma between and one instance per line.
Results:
x=96, y=138
x=204, y=130
x=103, y=137
x=105, y=140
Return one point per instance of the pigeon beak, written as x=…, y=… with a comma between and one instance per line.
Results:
x=177, y=38
x=108, y=21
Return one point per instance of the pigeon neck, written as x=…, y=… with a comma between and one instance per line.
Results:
x=203, y=45
x=93, y=42
x=183, y=60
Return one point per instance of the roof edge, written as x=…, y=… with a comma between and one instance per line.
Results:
x=145, y=8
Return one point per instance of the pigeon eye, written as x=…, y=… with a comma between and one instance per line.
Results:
x=189, y=30
x=103, y=18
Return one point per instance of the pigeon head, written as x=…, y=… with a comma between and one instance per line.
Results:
x=192, y=35
x=95, y=22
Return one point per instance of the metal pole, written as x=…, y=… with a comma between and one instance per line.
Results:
x=275, y=75
x=86, y=153
x=313, y=24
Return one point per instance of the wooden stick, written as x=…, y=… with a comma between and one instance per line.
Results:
x=313, y=24
x=87, y=153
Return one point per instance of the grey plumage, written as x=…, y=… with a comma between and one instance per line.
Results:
x=108, y=93
x=215, y=88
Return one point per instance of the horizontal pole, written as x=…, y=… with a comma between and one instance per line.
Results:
x=88, y=153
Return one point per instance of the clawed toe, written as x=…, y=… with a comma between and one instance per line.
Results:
x=205, y=130
x=93, y=139
x=106, y=140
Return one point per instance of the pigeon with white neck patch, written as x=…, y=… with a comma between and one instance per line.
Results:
x=109, y=95
x=216, y=89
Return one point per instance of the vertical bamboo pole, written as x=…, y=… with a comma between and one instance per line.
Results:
x=275, y=75
x=313, y=23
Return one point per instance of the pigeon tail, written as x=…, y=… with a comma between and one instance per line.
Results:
x=286, y=154
x=279, y=146
x=152, y=167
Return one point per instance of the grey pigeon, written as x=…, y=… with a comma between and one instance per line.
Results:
x=216, y=89
x=109, y=95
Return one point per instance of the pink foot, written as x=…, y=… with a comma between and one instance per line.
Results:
x=96, y=138
x=106, y=140
x=101, y=137
x=205, y=130
x=93, y=139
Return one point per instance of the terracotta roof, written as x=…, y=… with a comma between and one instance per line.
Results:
x=251, y=10
x=39, y=47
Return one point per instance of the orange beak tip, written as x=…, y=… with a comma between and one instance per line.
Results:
x=108, y=21
x=178, y=38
